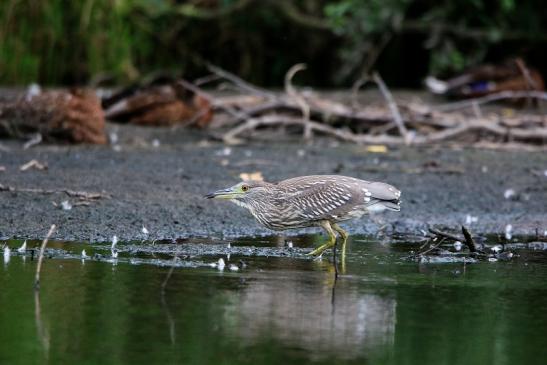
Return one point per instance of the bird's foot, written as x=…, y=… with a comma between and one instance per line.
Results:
x=318, y=252
x=321, y=249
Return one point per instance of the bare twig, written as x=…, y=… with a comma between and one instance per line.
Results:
x=490, y=98
x=198, y=91
x=203, y=13
x=355, y=90
x=392, y=106
x=299, y=99
x=75, y=194
x=272, y=120
x=291, y=11
x=33, y=164
x=445, y=234
x=532, y=85
x=469, y=240
x=244, y=85
x=36, y=139
x=435, y=246
x=41, y=258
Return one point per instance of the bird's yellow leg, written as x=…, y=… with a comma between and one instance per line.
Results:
x=331, y=240
x=341, y=232
x=344, y=235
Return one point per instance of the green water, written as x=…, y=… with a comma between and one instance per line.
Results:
x=383, y=309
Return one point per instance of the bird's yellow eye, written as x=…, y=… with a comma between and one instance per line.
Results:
x=245, y=188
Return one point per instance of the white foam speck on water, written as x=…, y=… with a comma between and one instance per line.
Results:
x=113, y=249
x=469, y=219
x=508, y=231
x=7, y=254
x=496, y=248
x=23, y=247
x=226, y=151
x=220, y=264
x=509, y=193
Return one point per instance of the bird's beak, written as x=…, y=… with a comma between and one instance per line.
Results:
x=223, y=194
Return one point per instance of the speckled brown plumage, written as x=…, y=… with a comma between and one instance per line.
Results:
x=318, y=200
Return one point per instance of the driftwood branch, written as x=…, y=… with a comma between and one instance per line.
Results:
x=244, y=85
x=374, y=123
x=392, y=106
x=540, y=95
x=292, y=93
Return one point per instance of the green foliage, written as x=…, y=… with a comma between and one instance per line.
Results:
x=458, y=33
x=71, y=42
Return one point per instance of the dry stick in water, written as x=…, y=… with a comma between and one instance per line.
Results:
x=436, y=245
x=444, y=234
x=41, y=258
x=469, y=240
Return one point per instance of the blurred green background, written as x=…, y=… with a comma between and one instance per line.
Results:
x=58, y=42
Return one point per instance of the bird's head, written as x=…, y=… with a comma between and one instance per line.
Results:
x=244, y=191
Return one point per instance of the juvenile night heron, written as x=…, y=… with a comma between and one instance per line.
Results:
x=319, y=200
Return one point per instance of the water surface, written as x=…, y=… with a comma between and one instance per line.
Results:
x=382, y=309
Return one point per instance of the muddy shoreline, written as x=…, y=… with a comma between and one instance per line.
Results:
x=157, y=178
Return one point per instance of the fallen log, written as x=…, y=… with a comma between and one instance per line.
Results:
x=73, y=116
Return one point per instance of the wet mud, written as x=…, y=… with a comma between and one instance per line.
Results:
x=156, y=179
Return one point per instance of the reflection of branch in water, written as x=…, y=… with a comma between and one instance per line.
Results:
x=164, y=305
x=169, y=316
x=41, y=330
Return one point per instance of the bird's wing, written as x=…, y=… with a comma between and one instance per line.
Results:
x=317, y=199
